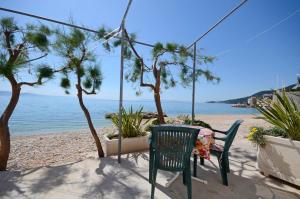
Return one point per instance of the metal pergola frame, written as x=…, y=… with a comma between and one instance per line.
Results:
x=115, y=34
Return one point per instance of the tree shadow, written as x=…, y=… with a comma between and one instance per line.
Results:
x=109, y=179
x=48, y=178
x=239, y=187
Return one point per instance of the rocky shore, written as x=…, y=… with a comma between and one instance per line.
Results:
x=146, y=115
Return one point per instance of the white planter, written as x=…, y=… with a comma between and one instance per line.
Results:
x=129, y=145
x=280, y=158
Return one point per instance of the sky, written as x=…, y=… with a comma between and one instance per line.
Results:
x=256, y=49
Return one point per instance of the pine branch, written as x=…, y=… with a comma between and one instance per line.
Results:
x=142, y=84
x=92, y=92
x=33, y=59
x=7, y=35
x=29, y=83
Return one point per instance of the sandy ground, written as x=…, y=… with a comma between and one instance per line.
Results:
x=68, y=147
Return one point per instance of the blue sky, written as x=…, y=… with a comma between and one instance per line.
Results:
x=256, y=49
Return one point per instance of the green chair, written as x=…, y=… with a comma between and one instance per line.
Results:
x=222, y=152
x=170, y=150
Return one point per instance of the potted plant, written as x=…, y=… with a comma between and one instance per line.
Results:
x=279, y=147
x=134, y=136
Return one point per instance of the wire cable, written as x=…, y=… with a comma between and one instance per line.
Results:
x=65, y=24
x=219, y=22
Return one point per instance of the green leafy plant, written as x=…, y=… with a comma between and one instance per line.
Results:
x=256, y=136
x=132, y=123
x=152, y=123
x=197, y=123
x=283, y=113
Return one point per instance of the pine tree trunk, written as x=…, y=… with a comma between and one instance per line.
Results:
x=160, y=113
x=156, y=91
x=90, y=123
x=4, y=146
x=4, y=129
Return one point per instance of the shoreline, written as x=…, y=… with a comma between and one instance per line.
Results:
x=86, y=129
x=59, y=148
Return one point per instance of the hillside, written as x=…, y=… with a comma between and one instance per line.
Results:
x=243, y=100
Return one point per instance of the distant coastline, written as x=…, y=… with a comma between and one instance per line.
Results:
x=243, y=100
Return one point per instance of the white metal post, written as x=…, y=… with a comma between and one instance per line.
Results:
x=194, y=83
x=122, y=28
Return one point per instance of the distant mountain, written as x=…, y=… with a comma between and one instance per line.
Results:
x=244, y=100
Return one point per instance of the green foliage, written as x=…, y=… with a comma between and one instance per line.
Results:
x=65, y=83
x=74, y=46
x=188, y=121
x=284, y=114
x=38, y=39
x=197, y=123
x=157, y=49
x=8, y=23
x=165, y=57
x=95, y=76
x=102, y=32
x=256, y=136
x=20, y=46
x=276, y=132
x=182, y=119
x=154, y=122
x=44, y=71
x=77, y=38
x=132, y=125
x=87, y=83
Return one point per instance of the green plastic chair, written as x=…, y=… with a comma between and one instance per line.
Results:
x=222, y=153
x=170, y=150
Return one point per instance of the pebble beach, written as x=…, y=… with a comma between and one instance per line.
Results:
x=61, y=148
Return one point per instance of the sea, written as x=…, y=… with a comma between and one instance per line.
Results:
x=38, y=114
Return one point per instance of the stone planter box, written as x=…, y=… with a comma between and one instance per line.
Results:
x=129, y=145
x=280, y=158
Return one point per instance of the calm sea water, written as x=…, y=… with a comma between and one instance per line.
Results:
x=37, y=114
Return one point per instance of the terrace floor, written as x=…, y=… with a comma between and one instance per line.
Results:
x=92, y=178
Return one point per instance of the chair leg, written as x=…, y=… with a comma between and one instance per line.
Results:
x=227, y=165
x=195, y=165
x=201, y=160
x=153, y=182
x=151, y=165
x=223, y=171
x=189, y=183
x=184, y=177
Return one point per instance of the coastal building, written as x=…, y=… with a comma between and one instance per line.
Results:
x=252, y=101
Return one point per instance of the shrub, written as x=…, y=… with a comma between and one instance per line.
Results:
x=181, y=119
x=188, y=121
x=283, y=114
x=132, y=125
x=256, y=135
